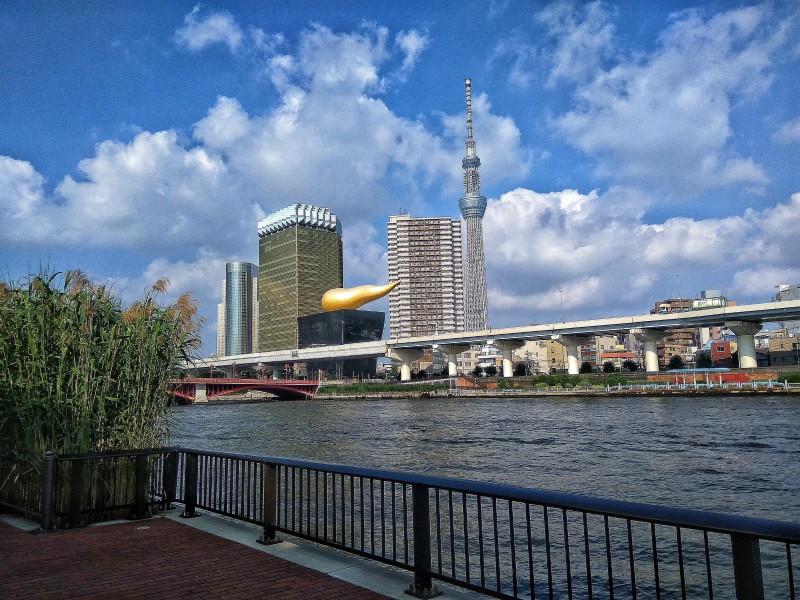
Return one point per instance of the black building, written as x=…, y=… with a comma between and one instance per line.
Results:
x=340, y=327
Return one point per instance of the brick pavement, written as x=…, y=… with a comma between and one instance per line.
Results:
x=154, y=558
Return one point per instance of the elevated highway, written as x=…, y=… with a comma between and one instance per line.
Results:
x=745, y=321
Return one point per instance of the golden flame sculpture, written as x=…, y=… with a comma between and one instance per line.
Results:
x=339, y=298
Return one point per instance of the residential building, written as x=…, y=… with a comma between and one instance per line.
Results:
x=425, y=257
x=300, y=258
x=681, y=341
x=534, y=356
x=618, y=358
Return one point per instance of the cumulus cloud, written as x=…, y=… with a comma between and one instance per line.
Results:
x=664, y=119
x=331, y=140
x=216, y=28
x=788, y=133
x=583, y=38
x=543, y=249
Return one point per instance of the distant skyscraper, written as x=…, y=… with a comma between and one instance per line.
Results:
x=473, y=207
x=237, y=314
x=300, y=258
x=425, y=257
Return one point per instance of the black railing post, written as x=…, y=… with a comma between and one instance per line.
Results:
x=747, y=567
x=423, y=584
x=75, y=492
x=140, y=510
x=190, y=485
x=169, y=476
x=269, y=498
x=48, y=490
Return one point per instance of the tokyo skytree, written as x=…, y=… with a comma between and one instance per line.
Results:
x=473, y=206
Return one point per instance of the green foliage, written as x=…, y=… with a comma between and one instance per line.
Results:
x=608, y=367
x=630, y=365
x=790, y=378
x=676, y=362
x=613, y=379
x=78, y=373
x=520, y=370
x=703, y=360
x=491, y=370
x=586, y=367
x=504, y=384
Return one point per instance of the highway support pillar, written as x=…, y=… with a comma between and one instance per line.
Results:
x=745, y=332
x=507, y=347
x=571, y=342
x=649, y=337
x=406, y=357
x=452, y=351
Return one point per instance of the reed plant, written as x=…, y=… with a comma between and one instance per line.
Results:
x=81, y=373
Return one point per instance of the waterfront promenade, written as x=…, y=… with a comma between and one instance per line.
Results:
x=169, y=557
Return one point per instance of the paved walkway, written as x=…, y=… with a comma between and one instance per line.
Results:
x=155, y=558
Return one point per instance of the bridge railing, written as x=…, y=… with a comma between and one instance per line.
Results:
x=506, y=541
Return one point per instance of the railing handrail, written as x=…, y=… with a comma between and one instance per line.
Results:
x=780, y=531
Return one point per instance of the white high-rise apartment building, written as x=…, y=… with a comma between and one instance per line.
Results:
x=425, y=257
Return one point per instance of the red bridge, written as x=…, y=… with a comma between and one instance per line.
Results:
x=200, y=389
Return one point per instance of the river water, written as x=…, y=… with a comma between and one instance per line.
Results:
x=730, y=454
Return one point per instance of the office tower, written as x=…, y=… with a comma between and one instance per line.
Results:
x=240, y=302
x=300, y=258
x=425, y=257
x=473, y=207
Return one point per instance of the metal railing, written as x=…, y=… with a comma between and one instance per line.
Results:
x=506, y=541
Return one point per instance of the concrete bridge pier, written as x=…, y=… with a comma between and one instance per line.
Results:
x=571, y=342
x=649, y=337
x=406, y=356
x=452, y=351
x=507, y=347
x=745, y=332
x=200, y=393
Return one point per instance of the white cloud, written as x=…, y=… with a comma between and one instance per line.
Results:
x=583, y=37
x=220, y=27
x=663, y=119
x=788, y=133
x=412, y=43
x=606, y=260
x=21, y=194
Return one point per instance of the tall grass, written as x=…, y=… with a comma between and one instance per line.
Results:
x=80, y=373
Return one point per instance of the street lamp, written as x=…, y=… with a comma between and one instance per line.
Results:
x=561, y=293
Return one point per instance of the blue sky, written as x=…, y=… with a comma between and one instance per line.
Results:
x=630, y=152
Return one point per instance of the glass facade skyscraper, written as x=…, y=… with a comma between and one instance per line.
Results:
x=300, y=258
x=240, y=293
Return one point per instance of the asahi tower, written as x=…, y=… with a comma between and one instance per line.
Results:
x=473, y=206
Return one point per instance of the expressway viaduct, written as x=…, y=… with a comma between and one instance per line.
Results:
x=744, y=321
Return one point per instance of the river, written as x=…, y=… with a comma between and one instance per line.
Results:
x=730, y=454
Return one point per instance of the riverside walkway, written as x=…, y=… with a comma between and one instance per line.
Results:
x=153, y=558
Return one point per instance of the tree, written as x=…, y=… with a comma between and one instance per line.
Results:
x=676, y=362
x=735, y=359
x=608, y=367
x=476, y=372
x=630, y=365
x=520, y=370
x=703, y=360
x=586, y=367
x=491, y=370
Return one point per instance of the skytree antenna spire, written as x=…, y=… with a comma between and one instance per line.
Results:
x=473, y=207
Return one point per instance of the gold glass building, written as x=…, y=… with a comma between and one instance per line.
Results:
x=300, y=258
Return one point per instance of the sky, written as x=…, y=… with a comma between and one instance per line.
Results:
x=630, y=151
